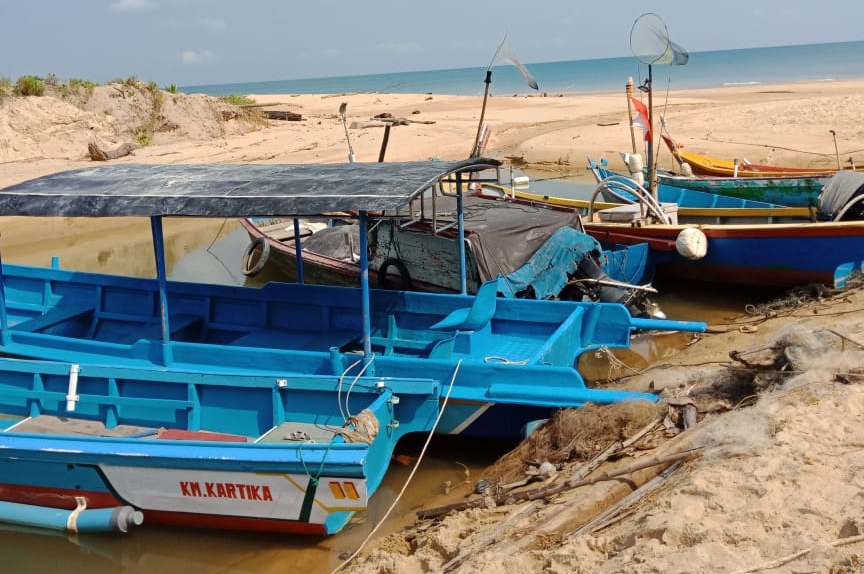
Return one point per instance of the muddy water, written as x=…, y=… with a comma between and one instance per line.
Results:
x=210, y=251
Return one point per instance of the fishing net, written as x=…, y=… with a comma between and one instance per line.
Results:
x=650, y=43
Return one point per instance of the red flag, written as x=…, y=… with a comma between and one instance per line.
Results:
x=641, y=120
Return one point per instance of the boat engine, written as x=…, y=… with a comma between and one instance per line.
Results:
x=842, y=198
x=590, y=282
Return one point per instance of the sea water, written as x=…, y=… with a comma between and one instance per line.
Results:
x=750, y=66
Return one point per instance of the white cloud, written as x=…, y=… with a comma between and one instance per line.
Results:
x=194, y=58
x=131, y=5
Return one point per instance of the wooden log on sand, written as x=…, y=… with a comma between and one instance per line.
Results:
x=98, y=154
x=283, y=115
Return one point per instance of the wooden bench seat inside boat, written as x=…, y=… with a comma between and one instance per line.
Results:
x=180, y=325
x=291, y=431
x=55, y=316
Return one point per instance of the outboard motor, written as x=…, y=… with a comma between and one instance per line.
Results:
x=842, y=198
x=591, y=282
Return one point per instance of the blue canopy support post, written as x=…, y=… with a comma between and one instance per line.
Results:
x=298, y=250
x=364, y=286
x=161, y=278
x=460, y=215
x=4, y=318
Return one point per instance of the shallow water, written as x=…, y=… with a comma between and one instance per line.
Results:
x=210, y=252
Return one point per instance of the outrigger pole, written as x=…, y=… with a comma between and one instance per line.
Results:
x=504, y=52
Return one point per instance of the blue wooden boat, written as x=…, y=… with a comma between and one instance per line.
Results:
x=788, y=191
x=776, y=247
x=540, y=252
x=274, y=408
x=713, y=193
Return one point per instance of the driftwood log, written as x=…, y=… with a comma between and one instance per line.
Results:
x=282, y=115
x=98, y=154
x=553, y=489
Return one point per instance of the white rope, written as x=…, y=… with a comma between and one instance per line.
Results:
x=408, y=480
x=345, y=413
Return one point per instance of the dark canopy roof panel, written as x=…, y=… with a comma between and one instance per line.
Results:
x=228, y=190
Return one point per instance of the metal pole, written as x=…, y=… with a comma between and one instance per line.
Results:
x=463, y=281
x=652, y=167
x=364, y=286
x=836, y=151
x=298, y=250
x=161, y=278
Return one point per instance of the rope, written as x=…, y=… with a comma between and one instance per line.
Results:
x=616, y=364
x=344, y=413
x=410, y=476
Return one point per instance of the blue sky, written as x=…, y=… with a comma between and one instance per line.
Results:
x=190, y=42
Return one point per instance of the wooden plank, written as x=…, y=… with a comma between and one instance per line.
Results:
x=291, y=431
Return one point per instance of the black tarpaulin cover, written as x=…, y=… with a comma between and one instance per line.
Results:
x=227, y=190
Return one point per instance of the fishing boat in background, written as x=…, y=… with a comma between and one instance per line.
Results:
x=539, y=252
x=717, y=192
x=781, y=247
x=624, y=195
x=698, y=164
x=273, y=408
x=777, y=247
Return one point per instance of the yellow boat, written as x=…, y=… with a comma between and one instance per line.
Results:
x=712, y=166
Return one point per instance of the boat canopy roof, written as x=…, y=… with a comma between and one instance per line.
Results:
x=229, y=190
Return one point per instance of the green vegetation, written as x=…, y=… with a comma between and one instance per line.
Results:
x=152, y=119
x=172, y=89
x=237, y=99
x=5, y=87
x=29, y=86
x=76, y=91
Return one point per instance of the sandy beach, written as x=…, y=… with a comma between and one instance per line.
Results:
x=772, y=480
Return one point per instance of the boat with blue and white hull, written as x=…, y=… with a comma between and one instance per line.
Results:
x=273, y=408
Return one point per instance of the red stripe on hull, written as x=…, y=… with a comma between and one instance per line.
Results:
x=56, y=497
x=238, y=523
x=65, y=499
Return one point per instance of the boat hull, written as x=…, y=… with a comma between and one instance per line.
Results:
x=240, y=451
x=779, y=255
x=701, y=192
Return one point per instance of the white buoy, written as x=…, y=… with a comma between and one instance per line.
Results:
x=634, y=163
x=691, y=243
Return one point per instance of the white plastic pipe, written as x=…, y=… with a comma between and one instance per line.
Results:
x=72, y=392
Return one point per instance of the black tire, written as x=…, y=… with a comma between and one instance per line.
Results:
x=251, y=266
x=384, y=282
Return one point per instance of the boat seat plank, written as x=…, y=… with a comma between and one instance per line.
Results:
x=297, y=340
x=293, y=432
x=177, y=323
x=53, y=317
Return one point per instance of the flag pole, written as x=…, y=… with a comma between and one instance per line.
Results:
x=475, y=149
x=652, y=167
x=629, y=91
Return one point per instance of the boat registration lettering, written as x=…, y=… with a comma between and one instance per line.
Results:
x=236, y=490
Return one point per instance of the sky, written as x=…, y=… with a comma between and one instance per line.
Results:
x=197, y=42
